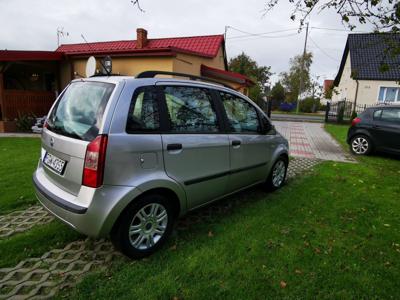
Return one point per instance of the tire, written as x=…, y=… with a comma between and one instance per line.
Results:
x=361, y=145
x=278, y=173
x=151, y=219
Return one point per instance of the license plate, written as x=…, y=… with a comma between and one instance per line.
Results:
x=54, y=163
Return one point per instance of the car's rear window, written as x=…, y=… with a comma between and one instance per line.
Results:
x=79, y=112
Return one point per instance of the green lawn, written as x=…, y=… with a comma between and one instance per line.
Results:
x=322, y=115
x=332, y=234
x=19, y=157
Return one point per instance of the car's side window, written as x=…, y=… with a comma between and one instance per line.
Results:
x=242, y=116
x=143, y=112
x=377, y=114
x=190, y=110
x=391, y=115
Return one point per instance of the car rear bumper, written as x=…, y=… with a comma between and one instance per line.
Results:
x=96, y=218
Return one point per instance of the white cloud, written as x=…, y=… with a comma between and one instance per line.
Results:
x=33, y=24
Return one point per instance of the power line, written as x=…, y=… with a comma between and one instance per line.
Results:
x=265, y=37
x=262, y=34
x=338, y=29
x=320, y=49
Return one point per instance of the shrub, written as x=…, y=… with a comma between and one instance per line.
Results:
x=309, y=105
x=24, y=122
x=340, y=115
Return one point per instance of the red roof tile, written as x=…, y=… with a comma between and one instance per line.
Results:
x=227, y=75
x=206, y=46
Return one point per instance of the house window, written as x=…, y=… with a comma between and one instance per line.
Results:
x=389, y=94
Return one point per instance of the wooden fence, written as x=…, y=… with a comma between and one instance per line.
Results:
x=18, y=102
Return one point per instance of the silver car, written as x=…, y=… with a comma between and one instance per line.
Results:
x=125, y=157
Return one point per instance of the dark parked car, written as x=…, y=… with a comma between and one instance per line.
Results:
x=377, y=128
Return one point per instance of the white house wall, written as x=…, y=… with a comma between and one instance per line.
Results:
x=368, y=90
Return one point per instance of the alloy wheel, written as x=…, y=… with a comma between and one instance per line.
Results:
x=360, y=145
x=278, y=173
x=148, y=226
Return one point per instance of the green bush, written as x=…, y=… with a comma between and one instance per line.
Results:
x=24, y=122
x=340, y=115
x=309, y=105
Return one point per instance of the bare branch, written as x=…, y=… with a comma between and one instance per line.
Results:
x=137, y=3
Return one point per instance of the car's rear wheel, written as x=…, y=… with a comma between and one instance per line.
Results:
x=361, y=145
x=278, y=173
x=144, y=227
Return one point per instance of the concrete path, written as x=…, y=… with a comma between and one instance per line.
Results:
x=310, y=140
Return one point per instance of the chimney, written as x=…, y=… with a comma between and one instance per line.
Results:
x=141, y=38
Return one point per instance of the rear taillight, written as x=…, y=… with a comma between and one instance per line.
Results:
x=95, y=157
x=355, y=121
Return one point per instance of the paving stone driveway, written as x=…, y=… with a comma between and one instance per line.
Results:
x=310, y=140
x=42, y=277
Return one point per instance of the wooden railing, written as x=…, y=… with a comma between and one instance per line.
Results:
x=18, y=102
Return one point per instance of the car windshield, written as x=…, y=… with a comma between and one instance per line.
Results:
x=79, y=112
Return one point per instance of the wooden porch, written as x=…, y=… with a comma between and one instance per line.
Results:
x=15, y=103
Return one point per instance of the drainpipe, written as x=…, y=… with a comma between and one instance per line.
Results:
x=355, y=97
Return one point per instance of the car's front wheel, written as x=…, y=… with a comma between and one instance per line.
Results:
x=277, y=175
x=361, y=145
x=144, y=227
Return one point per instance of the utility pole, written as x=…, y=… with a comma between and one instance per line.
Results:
x=301, y=83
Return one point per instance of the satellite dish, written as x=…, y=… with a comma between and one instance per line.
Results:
x=90, y=66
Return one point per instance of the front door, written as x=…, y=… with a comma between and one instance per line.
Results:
x=250, y=150
x=196, y=152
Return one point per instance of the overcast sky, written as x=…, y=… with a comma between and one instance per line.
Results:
x=32, y=25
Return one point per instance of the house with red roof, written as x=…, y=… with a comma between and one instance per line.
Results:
x=31, y=80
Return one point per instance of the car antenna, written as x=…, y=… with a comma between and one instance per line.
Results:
x=101, y=62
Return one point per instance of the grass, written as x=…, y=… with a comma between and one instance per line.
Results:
x=332, y=234
x=339, y=132
x=35, y=242
x=300, y=113
x=19, y=157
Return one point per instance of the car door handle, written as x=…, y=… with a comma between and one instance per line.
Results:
x=236, y=143
x=172, y=147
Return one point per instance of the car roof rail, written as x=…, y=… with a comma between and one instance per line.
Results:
x=152, y=74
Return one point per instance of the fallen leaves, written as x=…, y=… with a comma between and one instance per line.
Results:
x=210, y=234
x=283, y=284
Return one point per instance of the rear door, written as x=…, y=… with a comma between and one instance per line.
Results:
x=74, y=121
x=250, y=151
x=386, y=128
x=196, y=151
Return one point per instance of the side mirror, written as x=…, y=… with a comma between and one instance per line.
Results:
x=267, y=127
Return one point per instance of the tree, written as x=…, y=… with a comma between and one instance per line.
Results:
x=291, y=79
x=384, y=15
x=277, y=94
x=244, y=65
